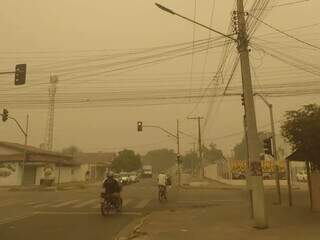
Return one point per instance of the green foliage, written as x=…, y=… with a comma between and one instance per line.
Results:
x=160, y=159
x=212, y=153
x=190, y=160
x=302, y=130
x=127, y=161
x=240, y=150
x=72, y=150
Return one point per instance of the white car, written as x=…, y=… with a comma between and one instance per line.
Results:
x=302, y=176
x=133, y=177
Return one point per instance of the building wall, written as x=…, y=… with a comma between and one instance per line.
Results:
x=45, y=172
x=10, y=174
x=64, y=174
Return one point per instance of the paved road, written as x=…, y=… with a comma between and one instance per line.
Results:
x=74, y=214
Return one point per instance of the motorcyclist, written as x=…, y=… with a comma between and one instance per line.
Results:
x=111, y=186
x=162, y=183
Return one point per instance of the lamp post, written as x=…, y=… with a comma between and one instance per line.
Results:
x=274, y=146
x=256, y=181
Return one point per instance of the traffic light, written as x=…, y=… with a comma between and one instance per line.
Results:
x=267, y=146
x=139, y=126
x=179, y=161
x=242, y=99
x=20, y=74
x=5, y=115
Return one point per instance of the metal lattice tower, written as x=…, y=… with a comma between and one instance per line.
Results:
x=48, y=141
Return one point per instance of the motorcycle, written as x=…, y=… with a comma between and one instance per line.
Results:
x=110, y=204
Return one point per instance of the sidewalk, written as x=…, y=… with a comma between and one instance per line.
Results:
x=227, y=223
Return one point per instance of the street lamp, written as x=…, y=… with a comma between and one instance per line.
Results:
x=255, y=169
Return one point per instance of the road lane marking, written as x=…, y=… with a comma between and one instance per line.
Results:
x=65, y=203
x=85, y=203
x=84, y=213
x=32, y=203
x=40, y=205
x=142, y=203
x=15, y=218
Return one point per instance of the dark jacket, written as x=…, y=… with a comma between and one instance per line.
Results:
x=111, y=185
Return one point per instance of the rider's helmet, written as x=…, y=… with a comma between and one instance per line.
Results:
x=109, y=174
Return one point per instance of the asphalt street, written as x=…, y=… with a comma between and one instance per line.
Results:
x=75, y=214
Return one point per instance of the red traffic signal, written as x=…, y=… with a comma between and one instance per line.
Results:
x=20, y=74
x=139, y=126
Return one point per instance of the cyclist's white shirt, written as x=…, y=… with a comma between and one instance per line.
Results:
x=162, y=179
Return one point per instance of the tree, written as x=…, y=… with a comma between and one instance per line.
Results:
x=72, y=150
x=212, y=153
x=302, y=130
x=127, y=161
x=160, y=159
x=190, y=160
x=240, y=150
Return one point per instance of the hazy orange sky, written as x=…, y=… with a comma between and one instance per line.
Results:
x=41, y=32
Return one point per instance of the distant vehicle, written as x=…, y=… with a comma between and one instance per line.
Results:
x=147, y=171
x=238, y=175
x=133, y=177
x=302, y=176
x=267, y=175
x=124, y=178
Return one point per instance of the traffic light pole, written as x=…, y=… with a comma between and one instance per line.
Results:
x=256, y=181
x=274, y=146
x=25, y=133
x=177, y=137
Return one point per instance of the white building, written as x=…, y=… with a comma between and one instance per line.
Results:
x=27, y=165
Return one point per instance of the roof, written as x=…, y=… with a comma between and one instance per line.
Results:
x=35, y=152
x=297, y=155
x=97, y=158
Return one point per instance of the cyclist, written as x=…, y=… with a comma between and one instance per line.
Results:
x=162, y=183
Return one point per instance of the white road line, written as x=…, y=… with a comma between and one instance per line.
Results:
x=85, y=203
x=84, y=213
x=142, y=203
x=65, y=203
x=32, y=203
x=40, y=205
x=126, y=202
x=15, y=218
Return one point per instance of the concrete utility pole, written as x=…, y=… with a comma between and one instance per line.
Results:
x=178, y=155
x=256, y=181
x=199, y=145
x=274, y=146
